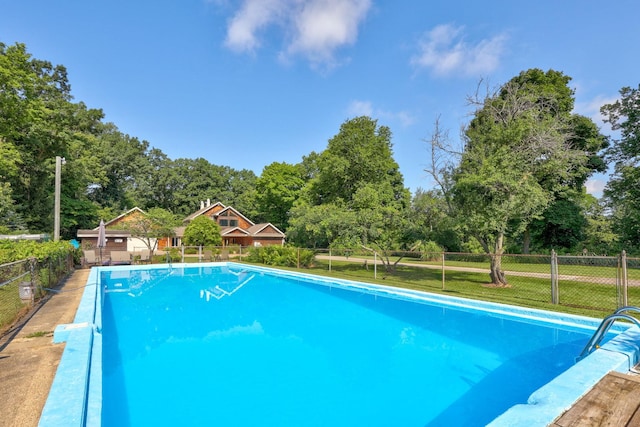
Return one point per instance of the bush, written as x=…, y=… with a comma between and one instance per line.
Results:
x=11, y=250
x=283, y=256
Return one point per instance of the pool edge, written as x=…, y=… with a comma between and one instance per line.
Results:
x=75, y=398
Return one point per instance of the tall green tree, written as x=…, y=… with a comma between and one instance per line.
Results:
x=355, y=194
x=361, y=153
x=277, y=188
x=623, y=189
x=555, y=99
x=39, y=121
x=429, y=221
x=521, y=152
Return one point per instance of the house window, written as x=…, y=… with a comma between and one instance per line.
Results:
x=224, y=222
x=233, y=222
x=175, y=241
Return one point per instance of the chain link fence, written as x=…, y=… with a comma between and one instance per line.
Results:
x=585, y=284
x=26, y=282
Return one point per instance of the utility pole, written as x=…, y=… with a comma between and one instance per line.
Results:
x=56, y=210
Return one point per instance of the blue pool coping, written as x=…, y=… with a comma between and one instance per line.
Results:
x=75, y=398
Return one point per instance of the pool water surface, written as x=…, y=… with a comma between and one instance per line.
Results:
x=231, y=346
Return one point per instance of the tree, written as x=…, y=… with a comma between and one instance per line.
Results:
x=361, y=153
x=521, y=151
x=202, y=231
x=623, y=189
x=355, y=195
x=429, y=221
x=36, y=111
x=155, y=224
x=599, y=236
x=552, y=91
x=277, y=188
x=323, y=226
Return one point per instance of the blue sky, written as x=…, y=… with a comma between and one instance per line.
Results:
x=249, y=82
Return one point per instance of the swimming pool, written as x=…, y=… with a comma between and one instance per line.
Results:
x=227, y=344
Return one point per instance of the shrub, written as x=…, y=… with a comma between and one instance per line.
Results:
x=283, y=256
x=22, y=249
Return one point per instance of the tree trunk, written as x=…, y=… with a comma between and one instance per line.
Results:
x=496, y=274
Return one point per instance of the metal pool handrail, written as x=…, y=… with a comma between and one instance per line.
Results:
x=604, y=327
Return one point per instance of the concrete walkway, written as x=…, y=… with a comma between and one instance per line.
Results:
x=29, y=359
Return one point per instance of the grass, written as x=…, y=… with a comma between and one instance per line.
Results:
x=10, y=304
x=563, y=268
x=39, y=334
x=589, y=299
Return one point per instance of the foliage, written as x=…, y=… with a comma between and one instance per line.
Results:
x=202, y=231
x=22, y=249
x=152, y=225
x=355, y=193
x=105, y=169
x=428, y=249
x=277, y=189
x=523, y=152
x=284, y=256
x=179, y=185
x=428, y=220
x=599, y=237
x=38, y=123
x=623, y=189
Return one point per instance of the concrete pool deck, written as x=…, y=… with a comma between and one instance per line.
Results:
x=29, y=358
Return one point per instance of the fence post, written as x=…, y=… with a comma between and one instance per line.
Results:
x=375, y=264
x=443, y=276
x=32, y=270
x=554, y=277
x=622, y=280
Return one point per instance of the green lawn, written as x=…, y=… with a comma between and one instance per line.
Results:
x=564, y=266
x=589, y=299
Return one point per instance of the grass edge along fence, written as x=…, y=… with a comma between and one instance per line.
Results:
x=584, y=284
x=25, y=282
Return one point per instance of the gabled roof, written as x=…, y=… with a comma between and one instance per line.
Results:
x=266, y=230
x=109, y=233
x=119, y=217
x=234, y=230
x=229, y=208
x=216, y=205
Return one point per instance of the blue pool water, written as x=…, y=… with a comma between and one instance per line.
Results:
x=221, y=346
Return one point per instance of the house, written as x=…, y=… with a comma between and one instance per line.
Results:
x=235, y=228
x=118, y=239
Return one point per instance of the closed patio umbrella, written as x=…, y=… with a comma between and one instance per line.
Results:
x=102, y=238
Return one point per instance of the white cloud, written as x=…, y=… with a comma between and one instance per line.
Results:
x=595, y=186
x=313, y=29
x=591, y=108
x=360, y=108
x=366, y=108
x=444, y=50
x=322, y=26
x=253, y=16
